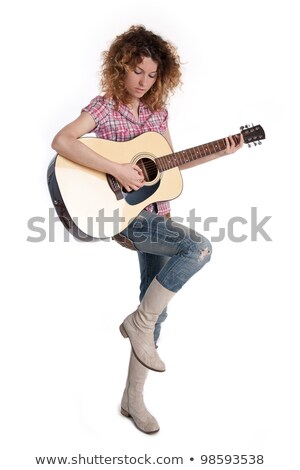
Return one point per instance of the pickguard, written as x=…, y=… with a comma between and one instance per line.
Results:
x=135, y=197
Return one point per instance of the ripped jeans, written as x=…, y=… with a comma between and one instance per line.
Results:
x=168, y=250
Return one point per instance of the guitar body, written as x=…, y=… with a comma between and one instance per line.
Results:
x=92, y=205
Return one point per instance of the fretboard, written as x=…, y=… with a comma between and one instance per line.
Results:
x=185, y=156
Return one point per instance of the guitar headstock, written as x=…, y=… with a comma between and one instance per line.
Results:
x=253, y=134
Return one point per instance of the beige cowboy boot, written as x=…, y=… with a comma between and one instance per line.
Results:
x=132, y=405
x=139, y=326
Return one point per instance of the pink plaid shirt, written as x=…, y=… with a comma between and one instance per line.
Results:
x=120, y=125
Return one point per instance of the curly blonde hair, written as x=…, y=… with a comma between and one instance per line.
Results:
x=126, y=52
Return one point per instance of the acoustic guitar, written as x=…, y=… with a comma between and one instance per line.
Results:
x=93, y=205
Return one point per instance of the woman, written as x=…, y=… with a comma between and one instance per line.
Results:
x=140, y=71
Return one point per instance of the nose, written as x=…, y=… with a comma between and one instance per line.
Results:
x=143, y=80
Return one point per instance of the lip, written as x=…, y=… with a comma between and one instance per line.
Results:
x=140, y=90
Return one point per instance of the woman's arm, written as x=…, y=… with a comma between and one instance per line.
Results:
x=66, y=143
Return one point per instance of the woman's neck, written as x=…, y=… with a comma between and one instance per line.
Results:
x=134, y=104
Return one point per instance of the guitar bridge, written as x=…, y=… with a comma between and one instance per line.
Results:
x=115, y=186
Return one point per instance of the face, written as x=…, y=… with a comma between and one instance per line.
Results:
x=140, y=80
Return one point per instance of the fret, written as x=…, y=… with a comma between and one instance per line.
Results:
x=205, y=149
x=218, y=145
x=192, y=153
x=181, y=156
x=164, y=163
x=174, y=160
x=199, y=152
x=176, y=157
x=160, y=162
x=184, y=156
x=196, y=153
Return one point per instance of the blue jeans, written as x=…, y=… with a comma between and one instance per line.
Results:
x=168, y=250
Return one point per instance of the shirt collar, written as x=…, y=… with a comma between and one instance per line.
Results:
x=144, y=112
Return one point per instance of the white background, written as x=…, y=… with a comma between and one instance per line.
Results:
x=231, y=342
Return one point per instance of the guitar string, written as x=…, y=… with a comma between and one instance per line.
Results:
x=194, y=152
x=169, y=159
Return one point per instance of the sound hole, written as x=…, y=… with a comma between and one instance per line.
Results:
x=149, y=169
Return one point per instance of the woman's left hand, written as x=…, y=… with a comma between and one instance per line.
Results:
x=231, y=146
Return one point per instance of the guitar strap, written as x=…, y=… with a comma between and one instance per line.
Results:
x=124, y=241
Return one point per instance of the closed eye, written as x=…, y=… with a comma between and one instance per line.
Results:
x=139, y=72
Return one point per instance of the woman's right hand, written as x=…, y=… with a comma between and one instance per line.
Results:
x=130, y=176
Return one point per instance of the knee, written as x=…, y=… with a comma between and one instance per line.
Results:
x=201, y=250
x=205, y=251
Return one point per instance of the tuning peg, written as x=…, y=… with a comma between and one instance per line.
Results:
x=259, y=142
x=242, y=127
x=249, y=145
x=255, y=143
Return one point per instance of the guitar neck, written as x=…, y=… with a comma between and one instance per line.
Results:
x=195, y=153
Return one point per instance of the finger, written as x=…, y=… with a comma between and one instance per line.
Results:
x=136, y=185
x=141, y=181
x=137, y=169
x=232, y=143
x=241, y=142
x=227, y=150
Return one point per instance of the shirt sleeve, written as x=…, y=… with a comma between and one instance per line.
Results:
x=163, y=118
x=97, y=109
